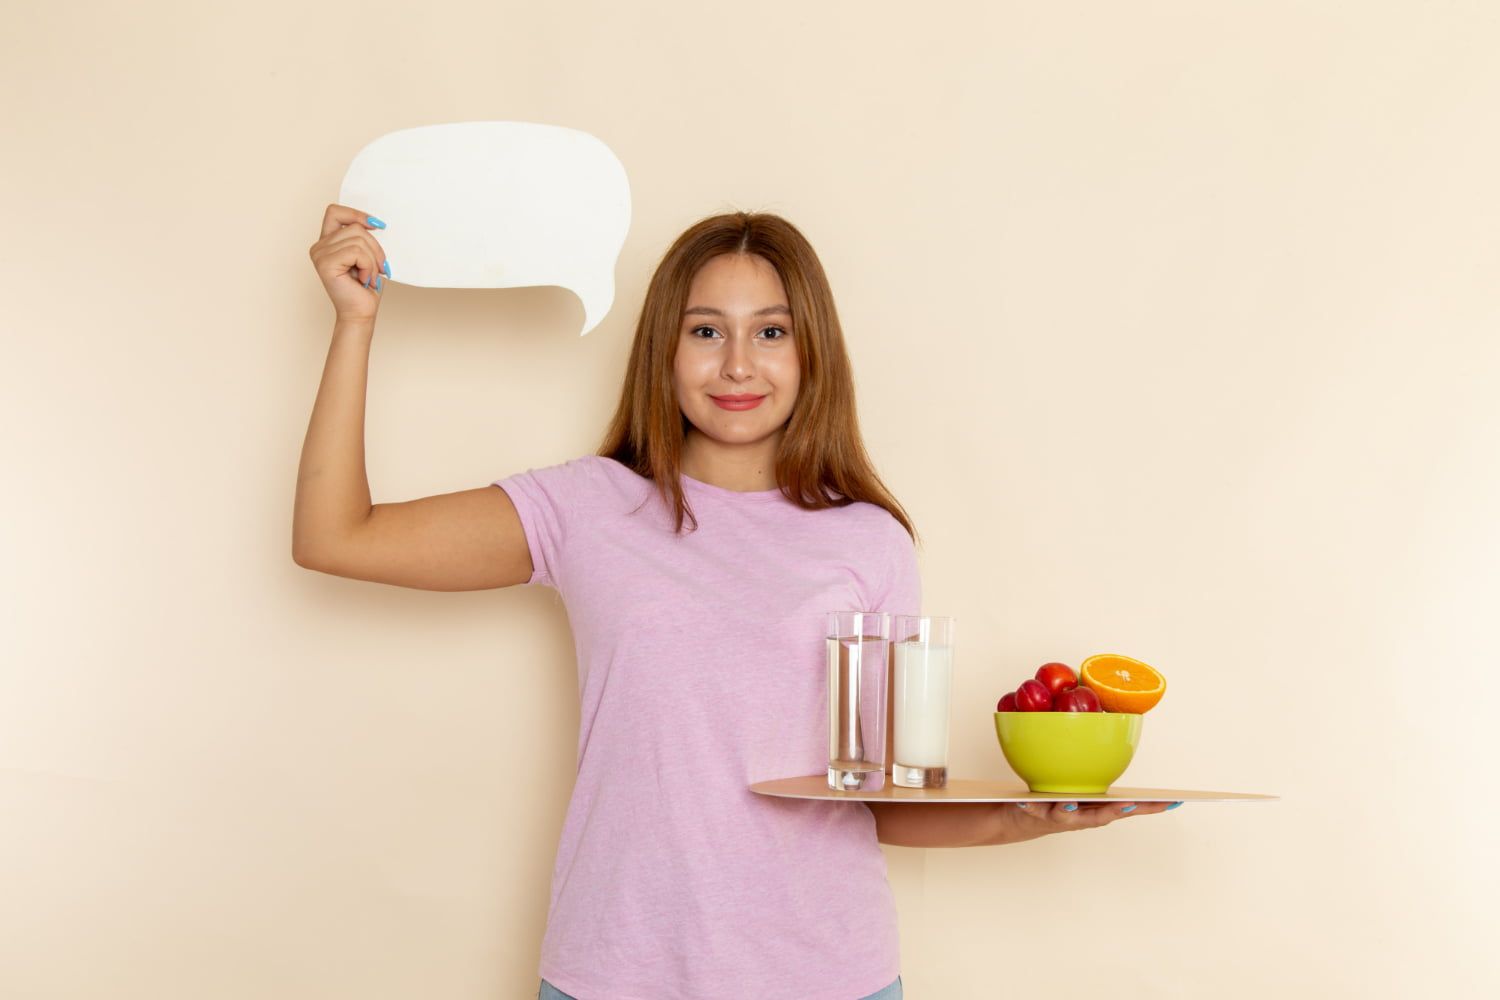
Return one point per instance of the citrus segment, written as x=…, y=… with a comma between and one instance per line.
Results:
x=1122, y=684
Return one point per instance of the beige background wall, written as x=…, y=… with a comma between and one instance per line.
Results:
x=1174, y=326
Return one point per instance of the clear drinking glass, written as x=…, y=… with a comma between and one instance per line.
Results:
x=858, y=645
x=922, y=660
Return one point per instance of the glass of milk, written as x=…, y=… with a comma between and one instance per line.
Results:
x=922, y=682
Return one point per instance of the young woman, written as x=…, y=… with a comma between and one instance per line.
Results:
x=730, y=505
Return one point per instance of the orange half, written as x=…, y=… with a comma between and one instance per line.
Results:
x=1122, y=684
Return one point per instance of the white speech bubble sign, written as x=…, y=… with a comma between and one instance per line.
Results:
x=497, y=205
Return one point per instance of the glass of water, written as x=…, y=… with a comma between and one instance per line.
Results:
x=922, y=655
x=858, y=645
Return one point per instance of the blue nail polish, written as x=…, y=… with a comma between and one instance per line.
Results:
x=367, y=282
x=1127, y=809
x=374, y=222
x=1071, y=807
x=385, y=266
x=1022, y=805
x=1174, y=805
x=378, y=281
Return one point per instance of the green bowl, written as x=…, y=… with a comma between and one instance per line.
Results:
x=1072, y=753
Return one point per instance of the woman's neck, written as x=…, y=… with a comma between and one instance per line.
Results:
x=746, y=468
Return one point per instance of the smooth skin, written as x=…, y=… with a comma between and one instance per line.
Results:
x=736, y=338
x=469, y=540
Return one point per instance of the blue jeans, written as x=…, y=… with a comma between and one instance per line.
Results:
x=891, y=992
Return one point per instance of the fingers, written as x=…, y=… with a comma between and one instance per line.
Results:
x=376, y=257
x=340, y=256
x=1061, y=816
x=336, y=216
x=377, y=253
x=353, y=249
x=342, y=223
x=1082, y=815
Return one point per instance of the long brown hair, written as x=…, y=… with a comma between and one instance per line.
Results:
x=821, y=460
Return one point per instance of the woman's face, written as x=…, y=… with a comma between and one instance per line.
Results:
x=736, y=341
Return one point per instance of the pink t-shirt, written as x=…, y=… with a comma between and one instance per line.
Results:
x=701, y=670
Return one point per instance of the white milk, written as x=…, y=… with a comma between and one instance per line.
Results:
x=923, y=690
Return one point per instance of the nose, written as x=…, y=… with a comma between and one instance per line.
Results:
x=738, y=365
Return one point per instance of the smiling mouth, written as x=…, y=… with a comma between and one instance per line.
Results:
x=737, y=402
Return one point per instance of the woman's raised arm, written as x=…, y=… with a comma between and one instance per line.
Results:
x=469, y=540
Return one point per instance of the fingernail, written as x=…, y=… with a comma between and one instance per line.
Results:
x=1071, y=807
x=378, y=281
x=385, y=266
x=367, y=282
x=1174, y=805
x=1128, y=809
x=1022, y=805
x=374, y=222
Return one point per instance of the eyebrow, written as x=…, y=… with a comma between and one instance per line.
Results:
x=711, y=311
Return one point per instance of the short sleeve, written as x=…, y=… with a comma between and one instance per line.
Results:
x=547, y=500
x=900, y=592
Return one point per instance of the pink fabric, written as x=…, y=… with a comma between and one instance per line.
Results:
x=700, y=671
